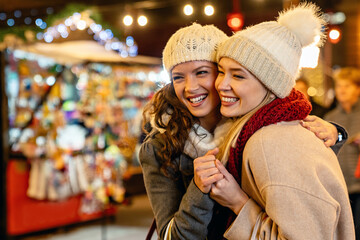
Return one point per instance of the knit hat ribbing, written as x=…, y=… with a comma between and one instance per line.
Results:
x=272, y=50
x=192, y=43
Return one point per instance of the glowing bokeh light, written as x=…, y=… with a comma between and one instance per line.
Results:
x=188, y=10
x=209, y=10
x=128, y=20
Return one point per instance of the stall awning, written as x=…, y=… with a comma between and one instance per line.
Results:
x=71, y=52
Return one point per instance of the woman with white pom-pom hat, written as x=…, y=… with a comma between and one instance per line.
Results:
x=280, y=181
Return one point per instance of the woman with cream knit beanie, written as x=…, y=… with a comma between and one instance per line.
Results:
x=185, y=123
x=183, y=116
x=280, y=181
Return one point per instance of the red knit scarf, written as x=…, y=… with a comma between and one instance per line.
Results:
x=293, y=107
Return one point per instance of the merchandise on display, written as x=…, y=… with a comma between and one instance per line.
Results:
x=76, y=126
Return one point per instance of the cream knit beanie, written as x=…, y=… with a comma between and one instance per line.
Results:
x=271, y=50
x=192, y=43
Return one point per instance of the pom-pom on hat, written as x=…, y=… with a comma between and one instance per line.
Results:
x=192, y=43
x=271, y=50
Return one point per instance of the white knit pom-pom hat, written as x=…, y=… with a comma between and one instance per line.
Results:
x=192, y=43
x=271, y=50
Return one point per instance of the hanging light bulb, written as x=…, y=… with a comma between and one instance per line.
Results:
x=128, y=20
x=188, y=9
x=334, y=35
x=142, y=20
x=209, y=10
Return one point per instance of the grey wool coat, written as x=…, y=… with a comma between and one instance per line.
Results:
x=176, y=196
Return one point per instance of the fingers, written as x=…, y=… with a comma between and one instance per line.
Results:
x=311, y=124
x=205, y=172
x=217, y=187
x=222, y=169
x=313, y=121
x=329, y=142
x=204, y=162
x=305, y=125
x=205, y=158
x=213, y=179
x=322, y=129
x=310, y=118
x=212, y=152
x=327, y=136
x=205, y=178
x=322, y=135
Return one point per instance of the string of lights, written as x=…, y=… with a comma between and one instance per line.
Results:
x=209, y=9
x=82, y=21
x=51, y=29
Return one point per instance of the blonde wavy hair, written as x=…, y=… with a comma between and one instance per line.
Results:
x=239, y=122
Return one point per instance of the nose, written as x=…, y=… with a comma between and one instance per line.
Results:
x=191, y=84
x=222, y=83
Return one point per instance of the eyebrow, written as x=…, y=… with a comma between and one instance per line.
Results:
x=234, y=69
x=195, y=70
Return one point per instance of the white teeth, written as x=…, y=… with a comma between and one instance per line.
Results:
x=197, y=99
x=227, y=99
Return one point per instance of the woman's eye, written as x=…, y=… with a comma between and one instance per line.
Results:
x=239, y=76
x=175, y=78
x=220, y=72
x=201, y=72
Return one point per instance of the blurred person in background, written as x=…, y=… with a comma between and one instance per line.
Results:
x=303, y=85
x=347, y=114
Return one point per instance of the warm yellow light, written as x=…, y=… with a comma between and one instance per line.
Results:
x=188, y=9
x=209, y=10
x=309, y=57
x=142, y=20
x=312, y=91
x=334, y=34
x=128, y=20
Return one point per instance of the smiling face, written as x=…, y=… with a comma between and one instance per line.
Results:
x=194, y=84
x=239, y=90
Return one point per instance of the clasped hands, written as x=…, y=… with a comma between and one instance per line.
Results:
x=210, y=176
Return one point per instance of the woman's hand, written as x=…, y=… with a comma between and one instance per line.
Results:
x=227, y=191
x=322, y=129
x=205, y=171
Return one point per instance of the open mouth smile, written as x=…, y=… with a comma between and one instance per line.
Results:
x=197, y=99
x=229, y=99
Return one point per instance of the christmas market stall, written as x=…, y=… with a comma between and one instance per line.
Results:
x=73, y=118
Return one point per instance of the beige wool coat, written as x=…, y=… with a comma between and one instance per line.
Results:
x=296, y=188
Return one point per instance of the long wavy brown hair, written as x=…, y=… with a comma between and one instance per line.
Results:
x=177, y=127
